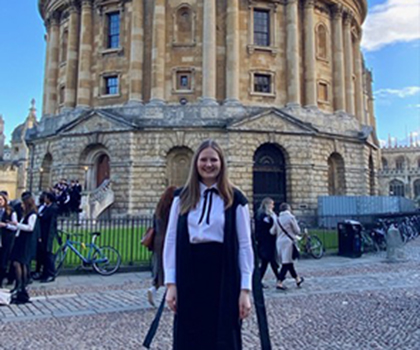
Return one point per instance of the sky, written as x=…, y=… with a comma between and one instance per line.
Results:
x=391, y=47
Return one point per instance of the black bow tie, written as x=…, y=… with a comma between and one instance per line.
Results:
x=208, y=197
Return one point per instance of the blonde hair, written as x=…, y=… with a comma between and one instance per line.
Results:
x=190, y=194
x=264, y=205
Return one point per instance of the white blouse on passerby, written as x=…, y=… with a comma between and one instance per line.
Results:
x=206, y=224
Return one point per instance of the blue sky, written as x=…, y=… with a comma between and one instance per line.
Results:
x=391, y=46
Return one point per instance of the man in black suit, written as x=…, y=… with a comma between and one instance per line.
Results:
x=48, y=221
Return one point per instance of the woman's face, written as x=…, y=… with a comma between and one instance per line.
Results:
x=2, y=202
x=208, y=166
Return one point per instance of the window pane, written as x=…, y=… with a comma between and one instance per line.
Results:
x=113, y=30
x=111, y=85
x=262, y=83
x=261, y=28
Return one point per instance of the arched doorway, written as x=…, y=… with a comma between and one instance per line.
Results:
x=45, y=173
x=269, y=175
x=396, y=188
x=102, y=169
x=178, y=165
x=336, y=175
x=371, y=176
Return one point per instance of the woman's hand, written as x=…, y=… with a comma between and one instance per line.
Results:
x=244, y=304
x=2, y=224
x=171, y=297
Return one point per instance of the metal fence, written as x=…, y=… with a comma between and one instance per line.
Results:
x=123, y=234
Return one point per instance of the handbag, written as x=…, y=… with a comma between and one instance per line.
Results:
x=295, y=250
x=148, y=238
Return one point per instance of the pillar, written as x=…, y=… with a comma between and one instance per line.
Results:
x=53, y=50
x=232, y=53
x=338, y=59
x=309, y=40
x=136, y=52
x=292, y=58
x=348, y=53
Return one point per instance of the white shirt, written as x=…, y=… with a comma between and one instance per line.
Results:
x=201, y=232
x=22, y=227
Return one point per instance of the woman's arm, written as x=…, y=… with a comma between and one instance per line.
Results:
x=29, y=226
x=12, y=227
x=169, y=249
x=246, y=254
x=275, y=229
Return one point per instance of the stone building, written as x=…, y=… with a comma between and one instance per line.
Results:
x=132, y=87
x=400, y=171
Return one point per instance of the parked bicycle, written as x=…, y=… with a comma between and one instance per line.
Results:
x=311, y=244
x=104, y=260
x=369, y=244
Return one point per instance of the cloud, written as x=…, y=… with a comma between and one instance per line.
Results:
x=390, y=22
x=401, y=93
x=416, y=106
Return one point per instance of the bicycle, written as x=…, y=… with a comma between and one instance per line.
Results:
x=311, y=245
x=104, y=260
x=368, y=242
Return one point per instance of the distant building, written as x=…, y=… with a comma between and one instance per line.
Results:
x=400, y=171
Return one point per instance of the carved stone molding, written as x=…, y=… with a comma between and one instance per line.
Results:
x=337, y=11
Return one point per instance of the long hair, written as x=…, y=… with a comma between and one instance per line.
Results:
x=190, y=194
x=8, y=209
x=28, y=203
x=164, y=206
x=263, y=209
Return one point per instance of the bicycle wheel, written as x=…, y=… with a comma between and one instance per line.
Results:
x=368, y=244
x=59, y=258
x=315, y=247
x=106, y=260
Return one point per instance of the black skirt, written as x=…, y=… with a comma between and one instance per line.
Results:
x=201, y=302
x=23, y=248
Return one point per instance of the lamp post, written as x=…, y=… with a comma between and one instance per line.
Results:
x=86, y=168
x=41, y=172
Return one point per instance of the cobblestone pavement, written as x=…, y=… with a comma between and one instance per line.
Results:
x=344, y=303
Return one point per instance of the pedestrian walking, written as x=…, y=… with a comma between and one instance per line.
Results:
x=287, y=231
x=266, y=242
x=25, y=246
x=208, y=257
x=160, y=224
x=7, y=236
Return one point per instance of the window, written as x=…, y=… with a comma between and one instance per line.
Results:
x=111, y=85
x=399, y=163
x=62, y=94
x=262, y=83
x=416, y=188
x=384, y=164
x=113, y=30
x=261, y=27
x=396, y=188
x=64, y=41
x=323, y=92
x=184, y=26
x=182, y=80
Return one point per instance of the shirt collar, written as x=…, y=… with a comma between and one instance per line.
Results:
x=203, y=187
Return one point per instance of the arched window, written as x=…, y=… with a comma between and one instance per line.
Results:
x=64, y=41
x=384, y=164
x=396, y=188
x=45, y=173
x=400, y=163
x=418, y=163
x=371, y=176
x=336, y=175
x=321, y=41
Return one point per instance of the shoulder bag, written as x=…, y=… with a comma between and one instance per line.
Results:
x=295, y=252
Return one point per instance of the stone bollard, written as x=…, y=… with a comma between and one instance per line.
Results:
x=394, y=245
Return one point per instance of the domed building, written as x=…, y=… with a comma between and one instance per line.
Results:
x=132, y=87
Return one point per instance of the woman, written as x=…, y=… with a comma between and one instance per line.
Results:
x=208, y=257
x=7, y=236
x=264, y=222
x=287, y=232
x=24, y=247
x=160, y=223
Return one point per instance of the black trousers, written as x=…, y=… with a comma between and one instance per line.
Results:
x=273, y=264
x=287, y=267
x=49, y=268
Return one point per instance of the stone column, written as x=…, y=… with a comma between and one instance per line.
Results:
x=358, y=67
x=232, y=53
x=158, y=53
x=72, y=53
x=84, y=88
x=348, y=53
x=309, y=40
x=45, y=90
x=136, y=52
x=292, y=58
x=209, y=53
x=338, y=59
x=53, y=47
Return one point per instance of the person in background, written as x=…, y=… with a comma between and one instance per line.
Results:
x=208, y=256
x=39, y=251
x=266, y=242
x=7, y=236
x=287, y=231
x=24, y=247
x=160, y=224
